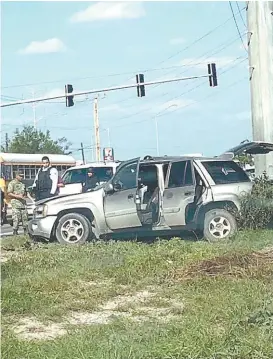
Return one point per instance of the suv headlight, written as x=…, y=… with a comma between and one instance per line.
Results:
x=40, y=211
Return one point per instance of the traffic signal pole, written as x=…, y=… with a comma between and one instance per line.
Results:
x=140, y=85
x=96, y=91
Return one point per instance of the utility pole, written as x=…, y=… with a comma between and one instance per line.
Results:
x=108, y=135
x=82, y=151
x=97, y=128
x=156, y=126
x=34, y=111
x=7, y=142
x=260, y=48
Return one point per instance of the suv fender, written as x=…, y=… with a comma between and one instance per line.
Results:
x=91, y=212
x=203, y=209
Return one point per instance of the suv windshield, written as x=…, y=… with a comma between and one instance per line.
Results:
x=79, y=175
x=224, y=172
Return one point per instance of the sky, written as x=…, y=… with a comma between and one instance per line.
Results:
x=96, y=45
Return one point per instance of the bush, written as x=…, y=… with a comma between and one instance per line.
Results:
x=256, y=210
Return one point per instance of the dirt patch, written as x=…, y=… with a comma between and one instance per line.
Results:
x=5, y=256
x=234, y=265
x=88, y=284
x=85, y=318
x=125, y=300
x=136, y=309
x=32, y=329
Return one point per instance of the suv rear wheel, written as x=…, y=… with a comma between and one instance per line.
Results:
x=219, y=224
x=73, y=228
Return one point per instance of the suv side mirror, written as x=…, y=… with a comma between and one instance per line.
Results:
x=117, y=186
x=108, y=188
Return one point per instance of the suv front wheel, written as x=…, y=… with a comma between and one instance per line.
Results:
x=73, y=228
x=219, y=224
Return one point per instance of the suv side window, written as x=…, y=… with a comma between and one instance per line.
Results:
x=126, y=177
x=188, y=175
x=67, y=177
x=180, y=174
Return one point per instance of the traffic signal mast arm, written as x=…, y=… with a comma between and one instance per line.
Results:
x=140, y=85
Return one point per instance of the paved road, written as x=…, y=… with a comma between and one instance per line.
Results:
x=6, y=231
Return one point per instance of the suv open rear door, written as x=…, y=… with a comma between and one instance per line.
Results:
x=250, y=148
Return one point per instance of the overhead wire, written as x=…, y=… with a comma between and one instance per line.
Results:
x=126, y=73
x=237, y=27
x=193, y=63
x=190, y=104
x=142, y=111
x=240, y=13
x=189, y=64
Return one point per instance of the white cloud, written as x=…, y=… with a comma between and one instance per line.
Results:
x=55, y=92
x=202, y=64
x=173, y=105
x=244, y=46
x=244, y=115
x=110, y=11
x=177, y=41
x=44, y=47
x=113, y=108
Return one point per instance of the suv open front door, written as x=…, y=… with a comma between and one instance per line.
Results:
x=120, y=207
x=179, y=192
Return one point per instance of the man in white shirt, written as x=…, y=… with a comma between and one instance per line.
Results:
x=46, y=182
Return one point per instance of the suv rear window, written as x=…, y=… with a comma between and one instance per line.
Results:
x=79, y=175
x=224, y=172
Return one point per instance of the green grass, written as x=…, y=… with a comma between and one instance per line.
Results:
x=223, y=294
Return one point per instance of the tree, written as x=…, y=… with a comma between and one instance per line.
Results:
x=245, y=159
x=31, y=140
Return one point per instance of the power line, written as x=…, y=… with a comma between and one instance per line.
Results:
x=235, y=21
x=198, y=40
x=188, y=105
x=190, y=65
x=240, y=13
x=184, y=93
x=125, y=73
x=145, y=110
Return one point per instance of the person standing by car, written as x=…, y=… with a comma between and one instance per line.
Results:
x=18, y=194
x=91, y=181
x=46, y=182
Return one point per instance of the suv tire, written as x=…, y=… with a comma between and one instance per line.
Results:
x=73, y=228
x=219, y=224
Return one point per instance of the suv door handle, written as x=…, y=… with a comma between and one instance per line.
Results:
x=130, y=196
x=188, y=193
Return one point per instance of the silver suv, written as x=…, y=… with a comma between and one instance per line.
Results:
x=150, y=197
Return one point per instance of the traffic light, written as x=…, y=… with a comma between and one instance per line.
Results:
x=69, y=99
x=140, y=88
x=212, y=75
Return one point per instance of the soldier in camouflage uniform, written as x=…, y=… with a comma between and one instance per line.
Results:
x=17, y=192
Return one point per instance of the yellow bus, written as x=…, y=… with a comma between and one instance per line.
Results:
x=29, y=164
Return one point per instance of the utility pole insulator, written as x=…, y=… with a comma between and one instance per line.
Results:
x=140, y=88
x=212, y=75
